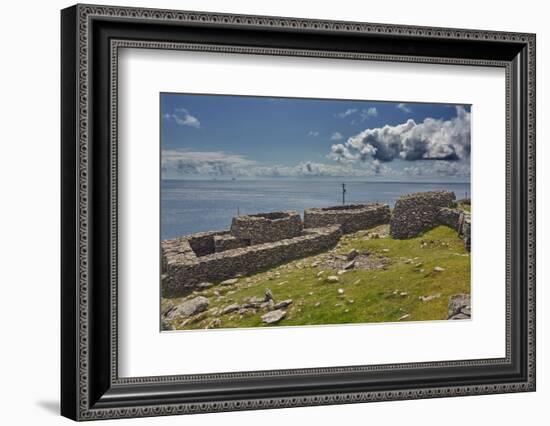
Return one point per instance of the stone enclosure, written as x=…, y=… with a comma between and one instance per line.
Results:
x=261, y=241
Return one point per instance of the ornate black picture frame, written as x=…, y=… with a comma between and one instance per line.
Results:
x=91, y=36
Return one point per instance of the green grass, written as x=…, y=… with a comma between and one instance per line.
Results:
x=369, y=295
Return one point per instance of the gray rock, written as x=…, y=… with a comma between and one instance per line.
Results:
x=459, y=304
x=268, y=295
x=353, y=253
x=273, y=316
x=189, y=308
x=350, y=265
x=204, y=285
x=165, y=326
x=332, y=279
x=282, y=304
x=439, y=269
x=230, y=308
x=460, y=317
x=230, y=281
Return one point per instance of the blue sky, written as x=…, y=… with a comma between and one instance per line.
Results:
x=219, y=136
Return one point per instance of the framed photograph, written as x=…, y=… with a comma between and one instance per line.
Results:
x=263, y=212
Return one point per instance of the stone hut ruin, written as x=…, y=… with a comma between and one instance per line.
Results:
x=264, y=240
x=351, y=218
x=417, y=213
x=267, y=227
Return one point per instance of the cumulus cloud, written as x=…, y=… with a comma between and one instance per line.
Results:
x=432, y=139
x=183, y=118
x=336, y=136
x=313, y=133
x=404, y=108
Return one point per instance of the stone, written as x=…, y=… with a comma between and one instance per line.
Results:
x=282, y=304
x=315, y=264
x=403, y=317
x=350, y=265
x=320, y=273
x=341, y=272
x=230, y=308
x=268, y=295
x=332, y=279
x=429, y=298
x=417, y=213
x=351, y=217
x=403, y=294
x=460, y=316
x=352, y=254
x=267, y=227
x=230, y=281
x=317, y=304
x=439, y=269
x=340, y=291
x=385, y=250
x=165, y=326
x=273, y=316
x=459, y=306
x=189, y=308
x=205, y=285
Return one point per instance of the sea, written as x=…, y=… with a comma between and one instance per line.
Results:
x=189, y=206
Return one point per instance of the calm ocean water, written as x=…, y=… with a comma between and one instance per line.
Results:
x=189, y=206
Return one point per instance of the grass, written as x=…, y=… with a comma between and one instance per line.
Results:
x=369, y=295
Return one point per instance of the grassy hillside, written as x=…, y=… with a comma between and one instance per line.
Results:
x=391, y=280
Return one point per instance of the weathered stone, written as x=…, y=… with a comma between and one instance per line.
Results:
x=332, y=279
x=349, y=265
x=459, y=305
x=267, y=227
x=352, y=217
x=204, y=285
x=189, y=308
x=273, y=316
x=352, y=254
x=268, y=295
x=230, y=308
x=230, y=281
x=439, y=269
x=165, y=326
x=403, y=317
x=228, y=242
x=187, y=270
x=417, y=213
x=282, y=304
x=340, y=291
x=429, y=298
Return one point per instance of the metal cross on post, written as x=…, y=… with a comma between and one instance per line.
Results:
x=343, y=193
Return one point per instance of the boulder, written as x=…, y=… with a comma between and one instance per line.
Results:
x=273, y=316
x=189, y=308
x=459, y=307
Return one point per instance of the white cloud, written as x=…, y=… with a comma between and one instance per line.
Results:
x=404, y=108
x=367, y=113
x=336, y=136
x=313, y=133
x=439, y=168
x=347, y=113
x=432, y=139
x=182, y=117
x=182, y=163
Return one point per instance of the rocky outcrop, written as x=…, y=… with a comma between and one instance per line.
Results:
x=352, y=217
x=417, y=213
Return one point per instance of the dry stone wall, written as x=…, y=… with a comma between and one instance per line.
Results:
x=183, y=271
x=352, y=218
x=417, y=213
x=267, y=227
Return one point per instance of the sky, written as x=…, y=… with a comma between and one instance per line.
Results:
x=246, y=137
